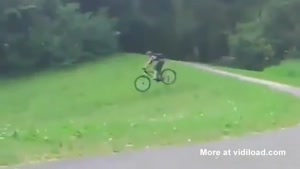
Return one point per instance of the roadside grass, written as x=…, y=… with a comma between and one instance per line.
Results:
x=95, y=110
x=287, y=72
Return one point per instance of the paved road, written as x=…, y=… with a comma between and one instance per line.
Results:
x=190, y=158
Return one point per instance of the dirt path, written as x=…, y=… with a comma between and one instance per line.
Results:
x=287, y=140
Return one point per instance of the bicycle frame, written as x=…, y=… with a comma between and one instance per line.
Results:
x=149, y=72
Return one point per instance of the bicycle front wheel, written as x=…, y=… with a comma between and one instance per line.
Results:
x=142, y=83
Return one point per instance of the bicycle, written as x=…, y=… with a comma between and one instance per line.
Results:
x=145, y=79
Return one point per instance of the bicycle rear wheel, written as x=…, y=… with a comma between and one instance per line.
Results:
x=142, y=83
x=168, y=76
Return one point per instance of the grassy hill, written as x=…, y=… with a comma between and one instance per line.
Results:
x=95, y=109
x=287, y=72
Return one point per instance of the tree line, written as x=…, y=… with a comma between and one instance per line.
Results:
x=253, y=34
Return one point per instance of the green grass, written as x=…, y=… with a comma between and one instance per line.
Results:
x=287, y=72
x=95, y=110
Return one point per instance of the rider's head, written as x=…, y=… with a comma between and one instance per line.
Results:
x=149, y=53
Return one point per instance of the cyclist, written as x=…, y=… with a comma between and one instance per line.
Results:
x=157, y=60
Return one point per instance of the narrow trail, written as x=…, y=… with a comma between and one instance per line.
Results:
x=273, y=85
x=190, y=158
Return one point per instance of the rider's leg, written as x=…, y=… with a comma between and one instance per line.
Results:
x=155, y=75
x=158, y=68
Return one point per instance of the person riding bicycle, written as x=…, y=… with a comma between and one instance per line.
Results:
x=157, y=60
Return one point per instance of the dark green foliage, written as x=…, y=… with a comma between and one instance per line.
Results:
x=48, y=32
x=43, y=33
x=250, y=48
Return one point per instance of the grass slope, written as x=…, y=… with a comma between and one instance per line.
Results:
x=95, y=109
x=287, y=72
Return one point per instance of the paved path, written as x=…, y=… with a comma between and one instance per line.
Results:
x=273, y=85
x=190, y=158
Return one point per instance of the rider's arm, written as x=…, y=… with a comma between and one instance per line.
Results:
x=150, y=61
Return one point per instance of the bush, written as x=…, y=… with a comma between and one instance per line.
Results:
x=51, y=33
x=250, y=49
